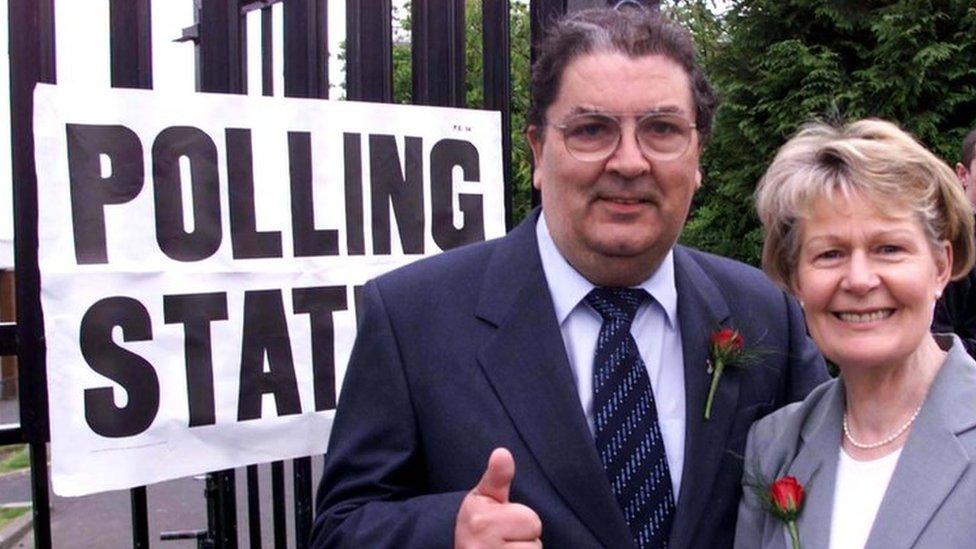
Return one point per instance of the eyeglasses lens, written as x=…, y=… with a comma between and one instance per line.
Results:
x=589, y=137
x=663, y=136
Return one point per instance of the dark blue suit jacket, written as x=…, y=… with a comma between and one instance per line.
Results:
x=461, y=353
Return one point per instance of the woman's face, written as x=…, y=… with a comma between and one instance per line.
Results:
x=868, y=281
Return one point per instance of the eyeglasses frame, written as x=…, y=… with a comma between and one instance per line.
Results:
x=616, y=116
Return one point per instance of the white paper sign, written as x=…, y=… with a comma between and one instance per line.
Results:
x=200, y=257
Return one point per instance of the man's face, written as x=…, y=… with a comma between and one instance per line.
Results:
x=967, y=176
x=615, y=219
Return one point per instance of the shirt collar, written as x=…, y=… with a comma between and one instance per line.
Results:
x=568, y=287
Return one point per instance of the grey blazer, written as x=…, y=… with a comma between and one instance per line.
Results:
x=931, y=499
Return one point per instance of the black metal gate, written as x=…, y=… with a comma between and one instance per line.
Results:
x=438, y=78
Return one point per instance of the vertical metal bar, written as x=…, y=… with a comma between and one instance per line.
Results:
x=130, y=43
x=242, y=48
x=302, y=470
x=496, y=60
x=306, y=75
x=267, y=52
x=140, y=518
x=222, y=62
x=278, y=504
x=40, y=501
x=253, y=507
x=31, y=42
x=222, y=69
x=31, y=30
x=319, y=37
x=47, y=58
x=437, y=55
x=369, y=55
x=212, y=495
x=226, y=510
x=306, y=54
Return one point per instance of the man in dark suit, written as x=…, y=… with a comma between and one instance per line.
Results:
x=955, y=312
x=575, y=351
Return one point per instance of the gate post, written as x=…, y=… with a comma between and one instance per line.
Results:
x=31, y=32
x=223, y=70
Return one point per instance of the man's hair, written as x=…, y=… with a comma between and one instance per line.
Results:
x=632, y=32
x=968, y=144
x=871, y=159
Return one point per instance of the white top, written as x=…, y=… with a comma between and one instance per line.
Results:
x=655, y=329
x=857, y=496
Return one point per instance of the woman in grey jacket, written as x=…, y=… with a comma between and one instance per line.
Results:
x=866, y=227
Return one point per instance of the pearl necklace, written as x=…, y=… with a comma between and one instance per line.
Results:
x=887, y=440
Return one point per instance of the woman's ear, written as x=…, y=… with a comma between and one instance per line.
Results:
x=943, y=265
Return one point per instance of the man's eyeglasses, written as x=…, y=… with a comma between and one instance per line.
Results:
x=592, y=137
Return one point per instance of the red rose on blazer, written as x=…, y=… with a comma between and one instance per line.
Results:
x=726, y=350
x=786, y=495
x=786, y=500
x=727, y=341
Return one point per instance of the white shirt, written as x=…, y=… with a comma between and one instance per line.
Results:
x=857, y=496
x=655, y=329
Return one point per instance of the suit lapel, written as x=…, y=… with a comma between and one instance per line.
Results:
x=526, y=363
x=815, y=467
x=701, y=309
x=932, y=459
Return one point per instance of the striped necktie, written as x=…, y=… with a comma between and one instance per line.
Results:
x=628, y=436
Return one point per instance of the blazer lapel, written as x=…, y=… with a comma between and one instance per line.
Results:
x=701, y=309
x=526, y=363
x=815, y=468
x=932, y=459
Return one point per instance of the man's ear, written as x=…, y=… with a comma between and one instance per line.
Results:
x=534, y=136
x=962, y=173
x=698, y=178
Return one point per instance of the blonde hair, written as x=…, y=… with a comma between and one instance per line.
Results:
x=870, y=158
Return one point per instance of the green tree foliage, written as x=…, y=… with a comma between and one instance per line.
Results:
x=780, y=63
x=402, y=84
x=519, y=36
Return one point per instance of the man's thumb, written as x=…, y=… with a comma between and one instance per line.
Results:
x=497, y=480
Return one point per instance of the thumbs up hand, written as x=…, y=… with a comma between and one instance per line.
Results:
x=488, y=519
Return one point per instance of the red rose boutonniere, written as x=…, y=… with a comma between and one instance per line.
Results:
x=727, y=347
x=783, y=498
x=785, y=502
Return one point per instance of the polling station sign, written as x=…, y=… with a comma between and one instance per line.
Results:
x=200, y=258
